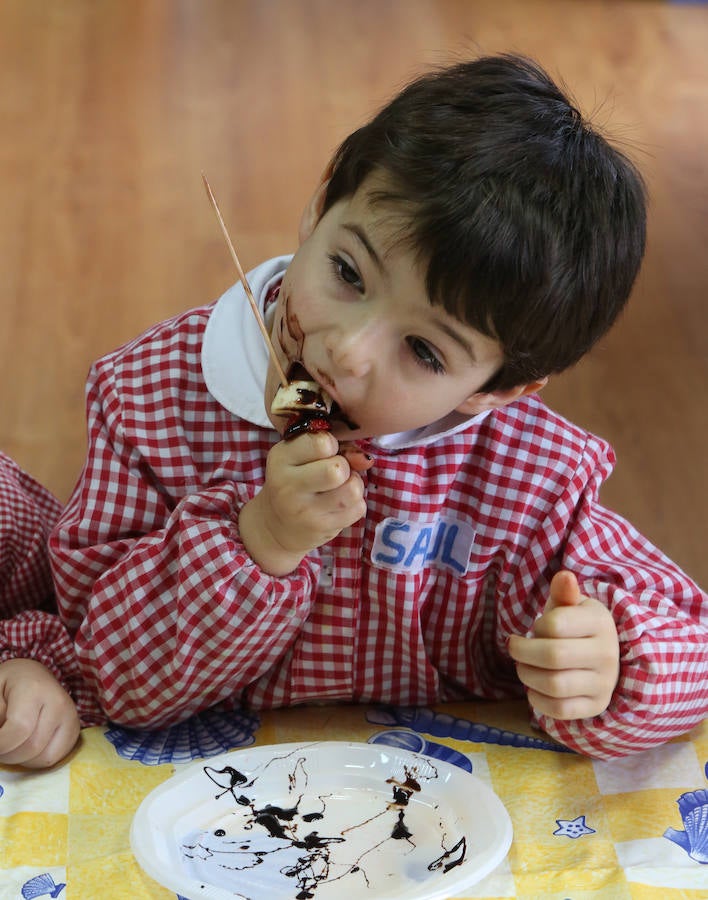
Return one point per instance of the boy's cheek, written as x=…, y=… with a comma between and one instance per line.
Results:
x=287, y=332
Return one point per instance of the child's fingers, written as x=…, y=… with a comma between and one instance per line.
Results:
x=564, y=708
x=551, y=653
x=306, y=448
x=586, y=620
x=297, y=490
x=15, y=740
x=40, y=737
x=334, y=473
x=557, y=684
x=356, y=457
x=589, y=619
x=337, y=507
x=54, y=744
x=565, y=653
x=40, y=723
x=572, y=693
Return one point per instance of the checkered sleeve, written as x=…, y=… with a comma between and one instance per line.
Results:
x=28, y=627
x=41, y=636
x=662, y=622
x=170, y=614
x=27, y=512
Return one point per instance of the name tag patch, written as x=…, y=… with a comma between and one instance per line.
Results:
x=410, y=546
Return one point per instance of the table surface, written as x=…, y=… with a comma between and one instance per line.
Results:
x=633, y=828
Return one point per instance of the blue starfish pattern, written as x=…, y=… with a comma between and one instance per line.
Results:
x=573, y=828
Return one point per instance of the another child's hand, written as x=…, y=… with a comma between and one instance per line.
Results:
x=310, y=494
x=39, y=723
x=571, y=664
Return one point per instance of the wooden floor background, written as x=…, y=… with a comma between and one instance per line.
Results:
x=110, y=110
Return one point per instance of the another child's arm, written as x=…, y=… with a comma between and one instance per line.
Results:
x=570, y=665
x=309, y=495
x=39, y=723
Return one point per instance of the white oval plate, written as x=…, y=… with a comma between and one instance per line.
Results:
x=318, y=821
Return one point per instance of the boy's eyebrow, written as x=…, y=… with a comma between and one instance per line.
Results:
x=457, y=337
x=361, y=235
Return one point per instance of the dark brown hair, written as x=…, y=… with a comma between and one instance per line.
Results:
x=530, y=223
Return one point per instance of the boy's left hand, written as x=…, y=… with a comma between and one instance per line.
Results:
x=570, y=665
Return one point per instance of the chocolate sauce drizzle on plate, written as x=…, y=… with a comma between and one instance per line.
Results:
x=289, y=837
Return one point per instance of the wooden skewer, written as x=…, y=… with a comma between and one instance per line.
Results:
x=247, y=288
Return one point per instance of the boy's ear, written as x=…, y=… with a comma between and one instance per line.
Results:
x=312, y=213
x=481, y=402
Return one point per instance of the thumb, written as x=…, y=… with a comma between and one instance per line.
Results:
x=565, y=591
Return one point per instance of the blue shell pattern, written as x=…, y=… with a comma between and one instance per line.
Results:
x=421, y=718
x=203, y=735
x=693, y=808
x=41, y=886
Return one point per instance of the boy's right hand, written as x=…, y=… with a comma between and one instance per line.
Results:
x=310, y=494
x=39, y=723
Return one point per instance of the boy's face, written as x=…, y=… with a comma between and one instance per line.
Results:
x=353, y=309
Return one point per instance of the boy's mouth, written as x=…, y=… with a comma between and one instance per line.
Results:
x=298, y=373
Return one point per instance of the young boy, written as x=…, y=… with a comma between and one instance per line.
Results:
x=474, y=238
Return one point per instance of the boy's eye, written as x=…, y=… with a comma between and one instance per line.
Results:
x=424, y=356
x=345, y=272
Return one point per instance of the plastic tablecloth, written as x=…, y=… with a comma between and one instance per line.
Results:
x=634, y=828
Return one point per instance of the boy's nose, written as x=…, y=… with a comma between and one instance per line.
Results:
x=353, y=351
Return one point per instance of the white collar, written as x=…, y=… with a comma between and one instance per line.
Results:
x=235, y=362
x=234, y=354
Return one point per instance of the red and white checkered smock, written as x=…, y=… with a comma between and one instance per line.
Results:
x=28, y=511
x=413, y=604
